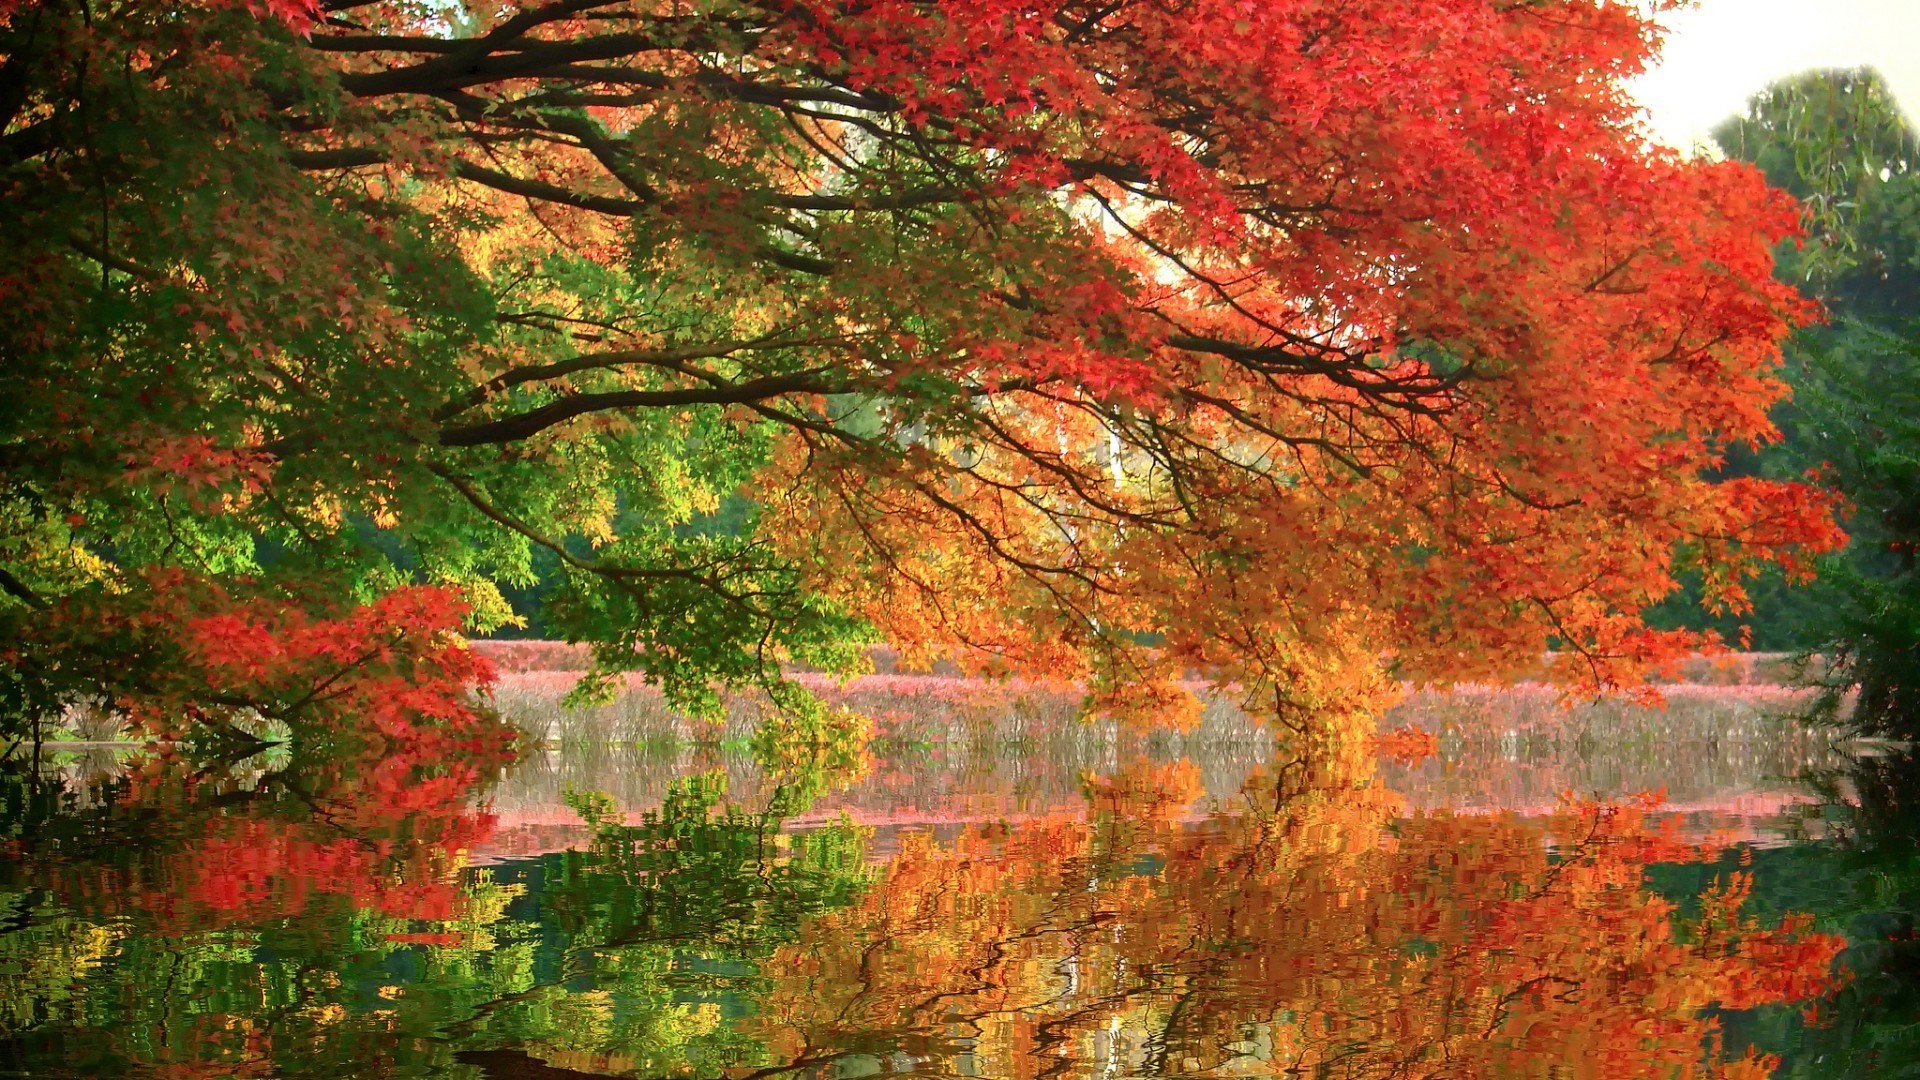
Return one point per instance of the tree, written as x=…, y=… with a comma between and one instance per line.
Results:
x=1836, y=140
x=1862, y=418
x=1099, y=341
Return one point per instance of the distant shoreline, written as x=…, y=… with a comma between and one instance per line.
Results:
x=517, y=655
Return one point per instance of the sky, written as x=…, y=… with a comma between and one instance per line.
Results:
x=1720, y=51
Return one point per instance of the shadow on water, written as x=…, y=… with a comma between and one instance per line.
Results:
x=1064, y=905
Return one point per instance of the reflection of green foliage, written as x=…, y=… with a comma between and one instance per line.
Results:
x=810, y=747
x=643, y=941
x=696, y=872
x=594, y=807
x=44, y=966
x=635, y=949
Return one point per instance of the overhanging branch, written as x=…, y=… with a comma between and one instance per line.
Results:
x=526, y=425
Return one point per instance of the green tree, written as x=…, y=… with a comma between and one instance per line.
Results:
x=1838, y=141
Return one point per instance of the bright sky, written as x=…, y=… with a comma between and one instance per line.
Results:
x=1721, y=51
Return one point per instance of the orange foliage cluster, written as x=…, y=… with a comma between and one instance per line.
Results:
x=1287, y=343
x=1553, y=360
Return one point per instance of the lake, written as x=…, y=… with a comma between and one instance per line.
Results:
x=990, y=888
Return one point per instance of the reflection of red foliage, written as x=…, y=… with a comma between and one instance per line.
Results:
x=390, y=739
x=391, y=744
x=1408, y=744
x=398, y=856
x=1148, y=791
x=382, y=833
x=253, y=863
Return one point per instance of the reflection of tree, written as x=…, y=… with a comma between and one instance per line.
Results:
x=1865, y=884
x=381, y=834
x=668, y=921
x=223, y=919
x=318, y=923
x=310, y=924
x=1317, y=936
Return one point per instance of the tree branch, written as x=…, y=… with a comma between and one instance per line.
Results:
x=527, y=424
x=670, y=358
x=19, y=590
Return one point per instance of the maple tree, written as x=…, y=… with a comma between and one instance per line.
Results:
x=1103, y=342
x=242, y=842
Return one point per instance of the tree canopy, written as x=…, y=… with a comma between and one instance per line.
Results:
x=1837, y=141
x=1290, y=342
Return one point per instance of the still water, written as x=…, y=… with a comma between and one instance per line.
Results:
x=1707, y=890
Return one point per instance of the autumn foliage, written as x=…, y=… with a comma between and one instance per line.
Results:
x=1285, y=343
x=188, y=655
x=210, y=918
x=326, y=919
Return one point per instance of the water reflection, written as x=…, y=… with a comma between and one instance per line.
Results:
x=1866, y=885
x=1121, y=909
x=175, y=918
x=1320, y=937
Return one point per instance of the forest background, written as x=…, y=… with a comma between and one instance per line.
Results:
x=1839, y=142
